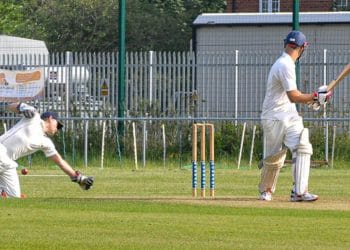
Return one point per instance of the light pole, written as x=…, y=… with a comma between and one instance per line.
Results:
x=121, y=63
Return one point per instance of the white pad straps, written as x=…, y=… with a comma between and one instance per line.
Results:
x=270, y=171
x=302, y=164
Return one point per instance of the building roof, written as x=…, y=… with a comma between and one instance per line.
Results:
x=19, y=45
x=271, y=18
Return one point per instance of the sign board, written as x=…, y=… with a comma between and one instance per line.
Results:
x=104, y=88
x=18, y=85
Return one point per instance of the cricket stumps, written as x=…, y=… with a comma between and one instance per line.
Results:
x=202, y=128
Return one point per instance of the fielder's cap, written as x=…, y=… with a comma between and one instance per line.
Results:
x=297, y=38
x=54, y=115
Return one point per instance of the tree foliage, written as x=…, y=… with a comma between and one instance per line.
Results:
x=12, y=17
x=90, y=25
x=80, y=25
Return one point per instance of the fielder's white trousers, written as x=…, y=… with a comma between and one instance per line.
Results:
x=9, y=182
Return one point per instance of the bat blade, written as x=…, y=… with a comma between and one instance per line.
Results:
x=341, y=76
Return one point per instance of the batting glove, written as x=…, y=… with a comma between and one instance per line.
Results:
x=322, y=95
x=315, y=105
x=85, y=182
x=27, y=110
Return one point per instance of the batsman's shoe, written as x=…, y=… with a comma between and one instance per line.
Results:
x=305, y=197
x=265, y=196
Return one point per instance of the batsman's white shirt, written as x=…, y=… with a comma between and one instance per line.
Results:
x=27, y=137
x=283, y=125
x=280, y=119
x=281, y=79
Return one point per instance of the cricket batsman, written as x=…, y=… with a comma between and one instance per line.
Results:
x=283, y=127
x=29, y=135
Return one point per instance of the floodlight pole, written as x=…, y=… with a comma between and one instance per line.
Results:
x=296, y=7
x=121, y=61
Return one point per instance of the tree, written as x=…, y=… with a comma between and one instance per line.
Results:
x=90, y=25
x=176, y=17
x=12, y=17
x=152, y=28
x=79, y=25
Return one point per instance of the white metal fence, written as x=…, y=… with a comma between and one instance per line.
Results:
x=173, y=87
x=227, y=85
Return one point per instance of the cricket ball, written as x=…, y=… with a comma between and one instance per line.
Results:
x=24, y=171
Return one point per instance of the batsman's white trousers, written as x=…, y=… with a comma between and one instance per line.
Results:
x=9, y=181
x=277, y=133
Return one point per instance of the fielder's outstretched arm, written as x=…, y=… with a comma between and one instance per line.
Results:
x=13, y=107
x=22, y=108
x=59, y=161
x=85, y=182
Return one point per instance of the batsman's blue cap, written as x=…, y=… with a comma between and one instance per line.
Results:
x=54, y=115
x=297, y=38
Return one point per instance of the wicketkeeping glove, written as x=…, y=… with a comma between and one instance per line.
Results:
x=27, y=110
x=85, y=182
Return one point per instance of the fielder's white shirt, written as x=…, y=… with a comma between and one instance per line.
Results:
x=27, y=137
x=281, y=79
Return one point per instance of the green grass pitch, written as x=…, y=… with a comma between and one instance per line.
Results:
x=152, y=208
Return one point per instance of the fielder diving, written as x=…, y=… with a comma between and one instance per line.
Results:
x=282, y=125
x=27, y=136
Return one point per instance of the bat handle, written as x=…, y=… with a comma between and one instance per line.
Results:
x=331, y=85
